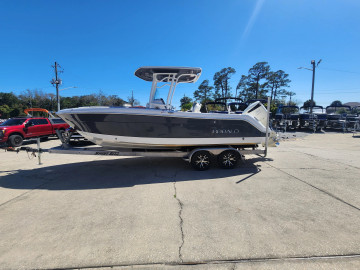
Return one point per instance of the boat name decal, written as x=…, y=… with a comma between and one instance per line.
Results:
x=107, y=153
x=225, y=131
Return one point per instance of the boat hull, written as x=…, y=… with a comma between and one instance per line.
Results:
x=146, y=128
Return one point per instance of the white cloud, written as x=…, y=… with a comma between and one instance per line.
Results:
x=253, y=18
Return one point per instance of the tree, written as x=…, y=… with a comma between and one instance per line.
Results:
x=258, y=72
x=221, y=81
x=336, y=103
x=27, y=98
x=308, y=104
x=101, y=98
x=5, y=111
x=15, y=105
x=216, y=94
x=244, y=88
x=290, y=94
x=247, y=88
x=52, y=104
x=114, y=100
x=133, y=101
x=10, y=105
x=185, y=103
x=9, y=99
x=277, y=80
x=204, y=92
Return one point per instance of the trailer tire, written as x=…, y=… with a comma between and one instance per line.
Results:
x=228, y=159
x=201, y=160
x=15, y=140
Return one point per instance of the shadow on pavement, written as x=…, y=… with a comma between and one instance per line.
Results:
x=119, y=173
x=32, y=141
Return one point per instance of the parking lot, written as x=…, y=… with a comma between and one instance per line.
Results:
x=298, y=208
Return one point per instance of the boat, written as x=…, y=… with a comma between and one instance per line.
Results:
x=317, y=120
x=336, y=116
x=287, y=117
x=352, y=118
x=160, y=126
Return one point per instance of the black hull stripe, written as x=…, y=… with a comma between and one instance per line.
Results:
x=161, y=127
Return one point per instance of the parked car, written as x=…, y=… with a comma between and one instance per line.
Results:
x=15, y=130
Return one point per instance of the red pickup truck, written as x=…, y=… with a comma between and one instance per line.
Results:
x=14, y=130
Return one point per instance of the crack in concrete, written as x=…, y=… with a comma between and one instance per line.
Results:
x=30, y=190
x=181, y=222
x=319, y=189
x=327, y=159
x=39, y=175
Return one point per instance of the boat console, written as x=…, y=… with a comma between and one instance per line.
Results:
x=233, y=104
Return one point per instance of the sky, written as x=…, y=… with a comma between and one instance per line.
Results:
x=100, y=44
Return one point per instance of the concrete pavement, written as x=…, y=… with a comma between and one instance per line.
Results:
x=298, y=208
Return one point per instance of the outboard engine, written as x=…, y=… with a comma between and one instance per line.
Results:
x=196, y=107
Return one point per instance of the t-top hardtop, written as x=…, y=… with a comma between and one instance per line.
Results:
x=182, y=74
x=166, y=76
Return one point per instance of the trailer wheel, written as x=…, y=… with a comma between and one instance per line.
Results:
x=228, y=159
x=201, y=160
x=61, y=132
x=15, y=140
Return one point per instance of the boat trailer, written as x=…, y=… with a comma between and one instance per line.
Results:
x=200, y=158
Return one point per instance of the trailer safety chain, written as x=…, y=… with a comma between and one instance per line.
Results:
x=31, y=156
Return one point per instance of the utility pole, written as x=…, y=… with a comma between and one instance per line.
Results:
x=313, y=81
x=57, y=87
x=312, y=88
x=56, y=82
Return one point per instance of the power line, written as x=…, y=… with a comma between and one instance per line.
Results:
x=329, y=93
x=339, y=70
x=340, y=89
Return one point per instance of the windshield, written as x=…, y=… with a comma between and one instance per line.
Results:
x=337, y=110
x=237, y=107
x=216, y=107
x=289, y=110
x=13, y=122
x=314, y=109
x=161, y=92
